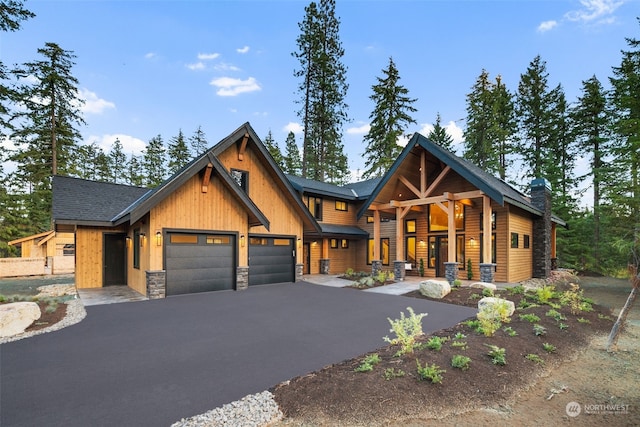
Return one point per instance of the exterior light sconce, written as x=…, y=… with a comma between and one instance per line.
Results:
x=128, y=241
x=242, y=240
x=422, y=243
x=299, y=241
x=142, y=236
x=158, y=238
x=472, y=242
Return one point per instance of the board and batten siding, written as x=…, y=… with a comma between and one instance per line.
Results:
x=520, y=258
x=89, y=255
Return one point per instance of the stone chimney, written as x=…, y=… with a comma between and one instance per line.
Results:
x=541, y=245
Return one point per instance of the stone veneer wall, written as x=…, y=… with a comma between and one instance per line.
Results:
x=541, y=245
x=399, y=270
x=242, y=278
x=156, y=284
x=299, y=272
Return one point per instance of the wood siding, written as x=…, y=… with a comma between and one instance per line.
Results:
x=89, y=256
x=520, y=258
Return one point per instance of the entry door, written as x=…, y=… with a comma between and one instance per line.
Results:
x=307, y=258
x=442, y=254
x=114, y=260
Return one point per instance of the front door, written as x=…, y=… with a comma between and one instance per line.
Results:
x=114, y=256
x=306, y=255
x=442, y=253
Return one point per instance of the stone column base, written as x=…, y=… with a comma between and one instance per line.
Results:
x=242, y=278
x=376, y=267
x=399, y=270
x=156, y=284
x=486, y=272
x=299, y=272
x=325, y=263
x=451, y=271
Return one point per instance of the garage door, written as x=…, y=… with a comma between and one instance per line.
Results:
x=199, y=262
x=271, y=260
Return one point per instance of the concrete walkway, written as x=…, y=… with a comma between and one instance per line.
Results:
x=109, y=295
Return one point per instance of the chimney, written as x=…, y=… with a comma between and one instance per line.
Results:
x=541, y=245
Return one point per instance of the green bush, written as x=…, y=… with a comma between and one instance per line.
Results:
x=457, y=283
x=432, y=373
x=549, y=348
x=406, y=329
x=469, y=269
x=391, y=373
x=497, y=354
x=555, y=314
x=545, y=293
x=530, y=317
x=435, y=343
x=486, y=292
x=539, y=330
x=534, y=358
x=461, y=362
x=510, y=331
x=368, y=363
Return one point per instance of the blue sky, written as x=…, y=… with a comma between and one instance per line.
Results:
x=154, y=67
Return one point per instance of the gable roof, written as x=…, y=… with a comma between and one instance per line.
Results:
x=352, y=191
x=498, y=190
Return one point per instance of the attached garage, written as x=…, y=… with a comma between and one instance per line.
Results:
x=199, y=262
x=271, y=260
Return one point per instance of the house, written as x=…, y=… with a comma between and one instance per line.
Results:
x=49, y=252
x=227, y=220
x=231, y=219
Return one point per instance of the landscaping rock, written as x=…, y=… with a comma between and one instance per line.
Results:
x=483, y=285
x=493, y=301
x=435, y=288
x=15, y=317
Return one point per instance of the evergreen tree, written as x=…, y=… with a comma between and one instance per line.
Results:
x=178, y=153
x=103, y=169
x=133, y=172
x=274, y=150
x=479, y=147
x=591, y=126
x=198, y=142
x=117, y=162
x=323, y=90
x=12, y=13
x=86, y=161
x=292, y=159
x=154, y=162
x=439, y=135
x=389, y=120
x=504, y=125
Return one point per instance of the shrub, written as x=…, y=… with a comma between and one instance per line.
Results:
x=583, y=320
x=555, y=314
x=563, y=326
x=350, y=272
x=545, y=293
x=539, y=330
x=435, y=343
x=534, y=358
x=469, y=269
x=510, y=331
x=51, y=307
x=474, y=324
x=486, y=292
x=461, y=362
x=497, y=354
x=462, y=345
x=421, y=268
x=516, y=290
x=459, y=336
x=574, y=299
x=391, y=373
x=457, y=283
x=407, y=329
x=530, y=317
x=432, y=373
x=368, y=363
x=492, y=316
x=3, y=298
x=549, y=348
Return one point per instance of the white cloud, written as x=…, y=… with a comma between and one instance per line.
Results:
x=130, y=144
x=359, y=130
x=228, y=86
x=546, y=26
x=455, y=131
x=208, y=56
x=244, y=49
x=196, y=66
x=296, y=128
x=223, y=66
x=593, y=10
x=93, y=104
x=150, y=55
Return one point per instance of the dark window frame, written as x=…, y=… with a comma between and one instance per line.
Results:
x=241, y=177
x=526, y=241
x=136, y=248
x=515, y=240
x=342, y=202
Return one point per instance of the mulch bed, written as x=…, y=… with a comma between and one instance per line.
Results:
x=47, y=318
x=338, y=395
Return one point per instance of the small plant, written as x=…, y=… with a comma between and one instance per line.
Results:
x=545, y=294
x=530, y=317
x=474, y=324
x=486, y=292
x=435, y=343
x=555, y=314
x=524, y=303
x=2, y=298
x=510, y=331
x=462, y=345
x=368, y=363
x=603, y=317
x=539, y=330
x=350, y=272
x=474, y=297
x=497, y=354
x=563, y=326
x=461, y=362
x=516, y=290
x=583, y=320
x=421, y=268
x=51, y=307
x=457, y=283
x=534, y=358
x=432, y=373
x=459, y=336
x=469, y=269
x=573, y=298
x=407, y=329
x=549, y=348
x=492, y=316
x=391, y=373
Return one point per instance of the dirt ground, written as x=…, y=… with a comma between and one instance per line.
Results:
x=580, y=384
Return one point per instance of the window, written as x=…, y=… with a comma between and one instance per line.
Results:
x=493, y=221
x=514, y=240
x=257, y=241
x=136, y=248
x=410, y=226
x=527, y=241
x=182, y=239
x=69, y=250
x=341, y=206
x=460, y=252
x=314, y=204
x=344, y=243
x=438, y=219
x=384, y=251
x=281, y=242
x=411, y=249
x=218, y=240
x=369, y=220
x=241, y=178
x=333, y=243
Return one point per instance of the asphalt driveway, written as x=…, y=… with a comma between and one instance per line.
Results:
x=151, y=363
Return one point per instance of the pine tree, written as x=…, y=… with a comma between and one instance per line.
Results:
x=389, y=120
x=198, y=142
x=85, y=159
x=479, y=146
x=154, y=162
x=323, y=90
x=178, y=153
x=591, y=128
x=292, y=159
x=439, y=135
x=12, y=13
x=504, y=125
x=274, y=150
x=117, y=162
x=133, y=172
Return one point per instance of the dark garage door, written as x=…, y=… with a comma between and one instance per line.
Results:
x=271, y=260
x=199, y=262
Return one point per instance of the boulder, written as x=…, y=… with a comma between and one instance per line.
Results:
x=483, y=285
x=16, y=317
x=491, y=302
x=435, y=288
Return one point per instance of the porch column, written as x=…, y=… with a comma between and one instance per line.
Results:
x=486, y=267
x=399, y=263
x=376, y=262
x=451, y=266
x=554, y=257
x=325, y=262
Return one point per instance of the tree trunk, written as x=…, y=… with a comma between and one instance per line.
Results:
x=612, y=342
